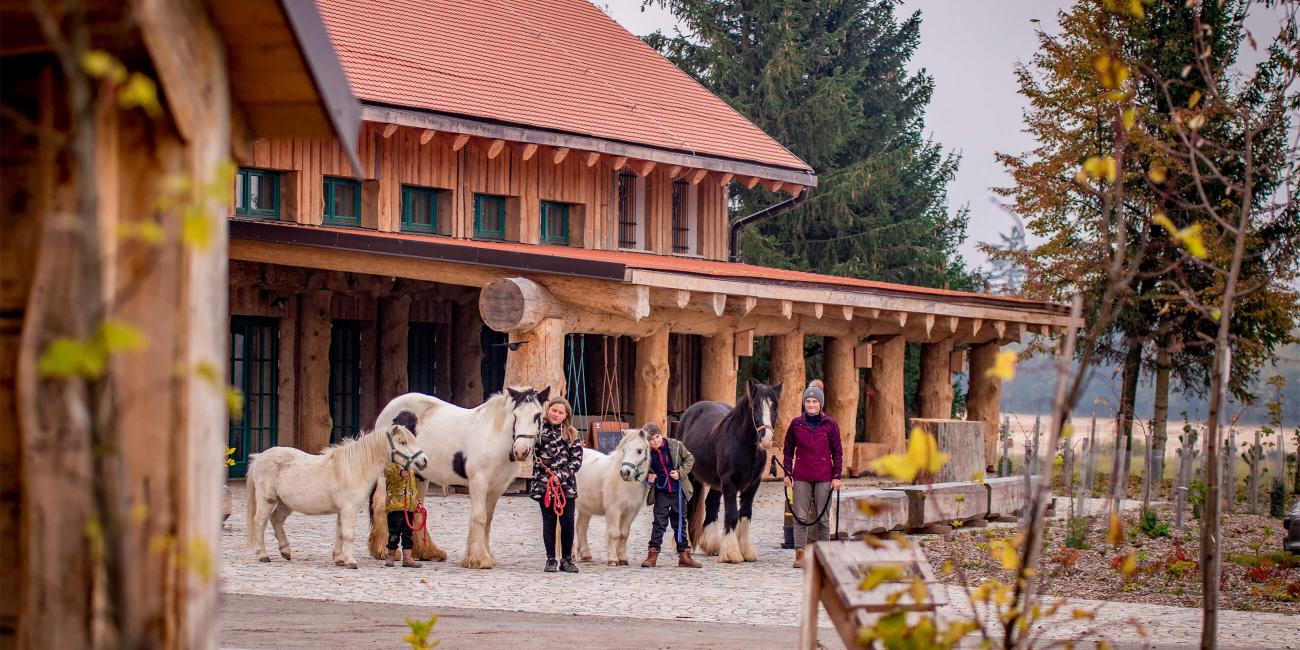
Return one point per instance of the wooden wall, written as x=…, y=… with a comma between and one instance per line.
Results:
x=400, y=159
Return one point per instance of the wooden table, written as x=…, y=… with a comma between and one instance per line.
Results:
x=833, y=571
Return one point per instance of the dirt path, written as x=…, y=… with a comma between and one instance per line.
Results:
x=253, y=622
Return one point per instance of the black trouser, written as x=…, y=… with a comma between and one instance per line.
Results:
x=666, y=511
x=566, y=528
x=399, y=530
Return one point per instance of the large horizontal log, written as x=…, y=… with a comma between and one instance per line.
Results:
x=517, y=304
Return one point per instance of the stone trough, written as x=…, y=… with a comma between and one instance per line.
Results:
x=934, y=507
x=889, y=506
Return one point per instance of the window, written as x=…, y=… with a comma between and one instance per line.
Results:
x=254, y=352
x=555, y=223
x=345, y=379
x=419, y=209
x=684, y=202
x=342, y=202
x=628, y=229
x=257, y=194
x=489, y=216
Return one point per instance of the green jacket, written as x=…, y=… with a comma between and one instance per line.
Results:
x=683, y=461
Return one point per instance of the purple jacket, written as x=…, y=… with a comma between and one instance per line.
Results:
x=818, y=451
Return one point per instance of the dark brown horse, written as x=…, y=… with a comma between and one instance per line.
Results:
x=729, y=447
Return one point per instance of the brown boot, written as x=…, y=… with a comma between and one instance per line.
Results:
x=650, y=558
x=408, y=560
x=684, y=559
x=798, y=558
x=392, y=557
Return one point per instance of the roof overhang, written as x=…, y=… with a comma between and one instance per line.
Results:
x=422, y=119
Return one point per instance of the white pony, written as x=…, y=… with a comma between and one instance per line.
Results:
x=335, y=482
x=475, y=447
x=614, y=486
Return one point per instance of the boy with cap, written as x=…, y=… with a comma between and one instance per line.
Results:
x=670, y=491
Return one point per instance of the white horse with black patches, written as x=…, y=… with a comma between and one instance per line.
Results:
x=284, y=480
x=476, y=448
x=613, y=485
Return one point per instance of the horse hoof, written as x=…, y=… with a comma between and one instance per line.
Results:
x=612, y=563
x=586, y=558
x=623, y=563
x=264, y=559
x=352, y=565
x=284, y=555
x=338, y=562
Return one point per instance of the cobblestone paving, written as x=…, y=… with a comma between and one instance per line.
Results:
x=766, y=592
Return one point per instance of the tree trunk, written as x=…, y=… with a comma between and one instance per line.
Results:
x=1160, y=421
x=650, y=395
x=1132, y=370
x=539, y=362
x=314, y=322
x=934, y=390
x=718, y=367
x=885, y=422
x=982, y=401
x=842, y=391
x=788, y=370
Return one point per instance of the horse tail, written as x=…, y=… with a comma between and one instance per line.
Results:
x=696, y=508
x=250, y=511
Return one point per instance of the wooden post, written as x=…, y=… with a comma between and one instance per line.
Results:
x=842, y=392
x=718, y=367
x=467, y=356
x=885, y=412
x=314, y=421
x=982, y=400
x=539, y=362
x=812, y=591
x=934, y=394
x=395, y=323
x=788, y=370
x=369, y=372
x=650, y=397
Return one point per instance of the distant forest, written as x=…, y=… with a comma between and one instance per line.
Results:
x=1031, y=392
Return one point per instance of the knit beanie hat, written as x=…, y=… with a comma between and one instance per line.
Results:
x=651, y=429
x=815, y=391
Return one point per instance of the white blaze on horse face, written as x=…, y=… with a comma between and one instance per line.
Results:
x=528, y=424
x=765, y=414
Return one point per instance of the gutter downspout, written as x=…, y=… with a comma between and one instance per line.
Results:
x=762, y=215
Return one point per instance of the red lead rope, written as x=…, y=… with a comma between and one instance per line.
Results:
x=554, y=499
x=406, y=510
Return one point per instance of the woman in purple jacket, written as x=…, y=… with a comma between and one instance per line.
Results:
x=814, y=459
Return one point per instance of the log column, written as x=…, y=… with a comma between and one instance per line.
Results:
x=842, y=391
x=788, y=370
x=934, y=391
x=394, y=329
x=982, y=400
x=539, y=362
x=718, y=367
x=467, y=356
x=650, y=398
x=534, y=318
x=885, y=412
x=314, y=322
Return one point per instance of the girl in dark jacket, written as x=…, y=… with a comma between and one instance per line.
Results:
x=554, y=486
x=814, y=458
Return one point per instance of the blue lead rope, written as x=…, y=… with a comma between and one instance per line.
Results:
x=667, y=485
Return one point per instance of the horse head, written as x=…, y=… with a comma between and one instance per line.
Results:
x=762, y=400
x=404, y=450
x=635, y=450
x=527, y=406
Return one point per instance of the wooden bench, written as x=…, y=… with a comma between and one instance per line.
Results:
x=933, y=508
x=890, y=507
x=833, y=572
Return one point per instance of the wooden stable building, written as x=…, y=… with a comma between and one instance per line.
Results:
x=552, y=210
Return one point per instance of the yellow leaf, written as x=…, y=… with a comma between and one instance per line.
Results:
x=1135, y=8
x=1083, y=614
x=1130, y=118
x=1102, y=167
x=235, y=402
x=1110, y=71
x=1194, y=99
x=918, y=591
x=139, y=512
x=1004, y=366
x=1215, y=313
x=65, y=357
x=923, y=455
x=116, y=335
x=977, y=477
x=946, y=567
x=1192, y=241
x=1157, y=174
x=1007, y=552
x=100, y=64
x=1116, y=533
x=1161, y=219
x=879, y=574
x=140, y=92
x=1196, y=122
x=1130, y=563
x=196, y=228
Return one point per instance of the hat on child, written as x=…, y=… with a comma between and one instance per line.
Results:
x=651, y=429
x=815, y=391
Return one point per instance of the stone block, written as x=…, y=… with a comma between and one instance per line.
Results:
x=890, y=507
x=938, y=504
x=1007, y=497
x=963, y=441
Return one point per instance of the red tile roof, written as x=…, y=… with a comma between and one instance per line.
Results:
x=686, y=265
x=561, y=65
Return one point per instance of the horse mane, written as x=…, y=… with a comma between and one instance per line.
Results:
x=353, y=460
x=744, y=407
x=493, y=412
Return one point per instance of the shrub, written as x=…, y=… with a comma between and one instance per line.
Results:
x=1067, y=559
x=1181, y=569
x=1151, y=526
x=1277, y=499
x=1077, y=535
x=1261, y=573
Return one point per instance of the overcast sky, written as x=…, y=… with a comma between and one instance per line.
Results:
x=970, y=48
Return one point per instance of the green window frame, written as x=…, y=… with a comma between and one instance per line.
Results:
x=414, y=200
x=555, y=223
x=254, y=370
x=266, y=182
x=336, y=199
x=489, y=216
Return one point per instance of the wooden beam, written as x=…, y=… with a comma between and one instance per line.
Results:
x=862, y=355
x=718, y=367
x=650, y=389
x=749, y=182
x=885, y=419
x=495, y=148
x=1001, y=328
x=975, y=325
x=426, y=135
x=529, y=150
x=934, y=392
x=592, y=158
x=873, y=314
x=787, y=308
x=749, y=303
x=745, y=343
x=674, y=171
x=459, y=141
x=698, y=175
x=957, y=361
x=787, y=368
x=644, y=167
x=389, y=130
x=776, y=186
x=847, y=311
x=953, y=322
x=619, y=162
x=682, y=298
x=842, y=389
x=559, y=155
x=902, y=319
x=984, y=395
x=726, y=178
x=718, y=303
x=929, y=326
x=818, y=310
